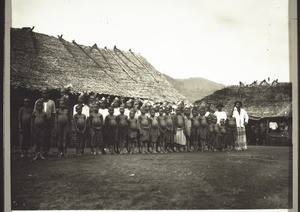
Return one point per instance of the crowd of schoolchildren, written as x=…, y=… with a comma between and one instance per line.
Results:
x=116, y=126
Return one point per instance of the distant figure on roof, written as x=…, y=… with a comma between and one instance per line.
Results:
x=275, y=82
x=28, y=28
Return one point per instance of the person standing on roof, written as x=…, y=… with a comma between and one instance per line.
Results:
x=242, y=118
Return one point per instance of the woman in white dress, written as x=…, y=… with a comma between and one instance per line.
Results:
x=242, y=118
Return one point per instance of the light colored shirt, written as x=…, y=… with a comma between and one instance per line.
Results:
x=241, y=117
x=273, y=125
x=48, y=107
x=85, y=110
x=220, y=115
x=127, y=112
x=137, y=114
x=117, y=111
x=104, y=112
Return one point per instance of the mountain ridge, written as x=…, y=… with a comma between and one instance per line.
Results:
x=194, y=88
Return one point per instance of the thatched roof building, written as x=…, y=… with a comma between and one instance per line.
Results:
x=259, y=101
x=39, y=61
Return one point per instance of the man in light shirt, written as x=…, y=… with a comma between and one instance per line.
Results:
x=85, y=108
x=219, y=113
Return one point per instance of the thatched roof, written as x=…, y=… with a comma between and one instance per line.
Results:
x=258, y=101
x=39, y=61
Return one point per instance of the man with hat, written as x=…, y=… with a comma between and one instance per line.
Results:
x=219, y=113
x=208, y=109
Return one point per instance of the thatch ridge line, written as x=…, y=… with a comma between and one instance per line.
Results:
x=144, y=66
x=125, y=62
x=113, y=57
x=34, y=41
x=101, y=68
x=87, y=54
x=121, y=52
x=105, y=59
x=69, y=50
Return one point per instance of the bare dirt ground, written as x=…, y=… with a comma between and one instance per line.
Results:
x=258, y=178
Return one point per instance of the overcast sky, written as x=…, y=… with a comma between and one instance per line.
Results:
x=225, y=41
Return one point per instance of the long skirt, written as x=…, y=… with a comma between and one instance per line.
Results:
x=111, y=136
x=96, y=137
x=195, y=133
x=231, y=137
x=179, y=137
x=241, y=138
x=169, y=136
x=154, y=132
x=145, y=135
x=203, y=133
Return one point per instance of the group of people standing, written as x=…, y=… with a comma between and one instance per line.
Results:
x=132, y=126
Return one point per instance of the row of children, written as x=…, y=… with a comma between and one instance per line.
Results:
x=128, y=128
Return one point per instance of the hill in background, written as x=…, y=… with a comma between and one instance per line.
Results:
x=259, y=101
x=194, y=88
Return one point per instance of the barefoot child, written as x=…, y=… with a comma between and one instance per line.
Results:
x=169, y=133
x=188, y=125
x=122, y=130
x=216, y=142
x=203, y=130
x=162, y=129
x=132, y=131
x=210, y=133
x=24, y=127
x=195, y=129
x=96, y=124
x=62, y=127
x=231, y=131
x=111, y=130
x=38, y=127
x=222, y=137
x=179, y=130
x=80, y=127
x=144, y=128
x=154, y=130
